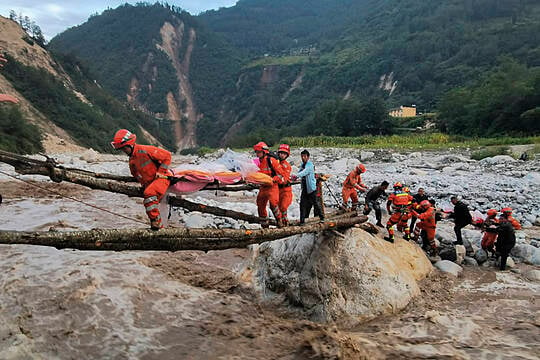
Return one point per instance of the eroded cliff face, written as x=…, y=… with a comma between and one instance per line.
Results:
x=181, y=107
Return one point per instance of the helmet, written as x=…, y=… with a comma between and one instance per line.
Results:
x=492, y=212
x=361, y=168
x=425, y=204
x=406, y=189
x=507, y=211
x=398, y=185
x=123, y=138
x=261, y=146
x=285, y=148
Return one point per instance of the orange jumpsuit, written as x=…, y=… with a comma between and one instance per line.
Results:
x=145, y=163
x=514, y=222
x=400, y=202
x=285, y=190
x=270, y=193
x=352, y=183
x=428, y=224
x=490, y=233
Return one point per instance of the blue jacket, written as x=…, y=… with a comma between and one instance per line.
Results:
x=307, y=170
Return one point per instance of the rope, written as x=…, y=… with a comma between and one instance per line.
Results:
x=71, y=198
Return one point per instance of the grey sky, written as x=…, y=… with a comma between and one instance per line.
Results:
x=55, y=16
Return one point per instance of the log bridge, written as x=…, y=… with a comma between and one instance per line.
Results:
x=169, y=239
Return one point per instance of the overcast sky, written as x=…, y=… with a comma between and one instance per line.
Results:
x=56, y=16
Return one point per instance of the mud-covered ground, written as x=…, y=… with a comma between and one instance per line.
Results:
x=193, y=305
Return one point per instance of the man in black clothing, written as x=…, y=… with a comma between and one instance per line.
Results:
x=462, y=217
x=372, y=202
x=506, y=240
x=417, y=199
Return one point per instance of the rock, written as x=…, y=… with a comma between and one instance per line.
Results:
x=366, y=155
x=482, y=200
x=498, y=160
x=527, y=253
x=533, y=274
x=415, y=155
x=448, y=169
x=340, y=279
x=448, y=253
x=418, y=172
x=510, y=263
x=533, y=178
x=481, y=256
x=537, y=221
x=445, y=236
x=90, y=156
x=460, y=253
x=529, y=217
x=340, y=166
x=469, y=261
x=449, y=267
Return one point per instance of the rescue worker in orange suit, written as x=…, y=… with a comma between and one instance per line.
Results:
x=400, y=201
x=417, y=199
x=150, y=166
x=268, y=193
x=489, y=227
x=285, y=188
x=428, y=224
x=506, y=214
x=352, y=184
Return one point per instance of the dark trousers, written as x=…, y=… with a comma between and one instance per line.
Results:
x=375, y=206
x=307, y=201
x=457, y=230
x=504, y=257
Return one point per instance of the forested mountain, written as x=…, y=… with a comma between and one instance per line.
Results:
x=263, y=69
x=58, y=105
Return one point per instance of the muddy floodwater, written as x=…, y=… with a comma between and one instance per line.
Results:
x=67, y=304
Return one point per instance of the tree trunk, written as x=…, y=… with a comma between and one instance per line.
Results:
x=170, y=239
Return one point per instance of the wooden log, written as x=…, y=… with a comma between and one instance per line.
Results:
x=170, y=239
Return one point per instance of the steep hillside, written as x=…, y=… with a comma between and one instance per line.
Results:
x=69, y=109
x=270, y=68
x=164, y=63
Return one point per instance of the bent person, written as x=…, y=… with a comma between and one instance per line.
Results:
x=372, y=201
x=352, y=184
x=149, y=165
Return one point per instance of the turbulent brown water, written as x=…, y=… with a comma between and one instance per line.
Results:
x=193, y=305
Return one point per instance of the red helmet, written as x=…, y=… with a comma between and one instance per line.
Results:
x=261, y=146
x=425, y=204
x=285, y=148
x=406, y=189
x=507, y=210
x=361, y=168
x=492, y=212
x=398, y=185
x=123, y=138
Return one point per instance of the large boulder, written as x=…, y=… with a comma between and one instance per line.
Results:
x=449, y=267
x=499, y=159
x=339, y=278
x=527, y=253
